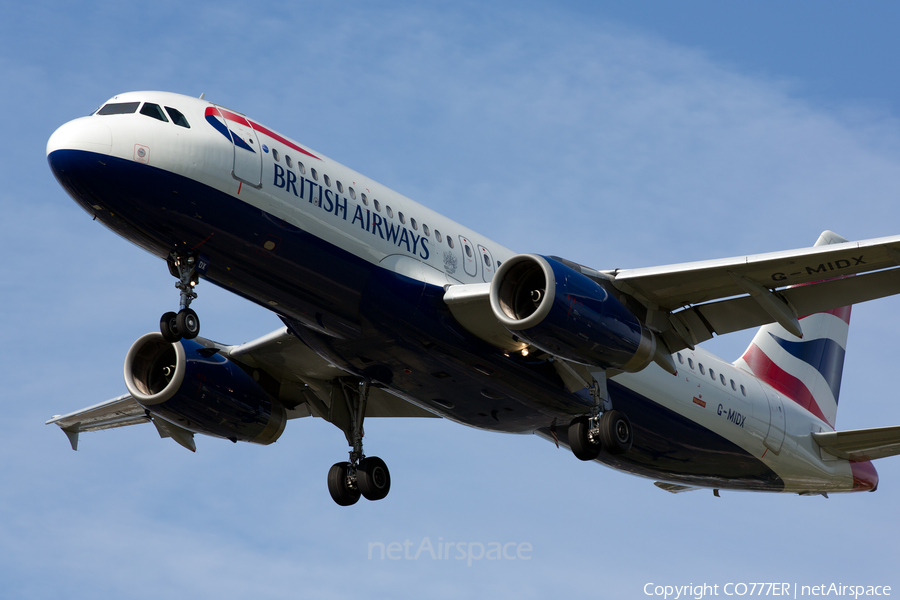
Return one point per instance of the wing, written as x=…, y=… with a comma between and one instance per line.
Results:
x=860, y=444
x=688, y=303
x=117, y=412
x=287, y=369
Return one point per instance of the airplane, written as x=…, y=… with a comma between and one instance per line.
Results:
x=390, y=309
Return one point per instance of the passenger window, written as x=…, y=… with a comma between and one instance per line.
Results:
x=353, y=195
x=314, y=174
x=415, y=225
x=327, y=180
x=702, y=370
x=743, y=391
x=377, y=205
x=301, y=167
x=340, y=187
x=468, y=251
x=402, y=218
x=153, y=110
x=390, y=213
x=437, y=235
x=450, y=241
x=289, y=162
x=712, y=374
x=733, y=385
x=680, y=358
x=691, y=363
x=425, y=229
x=722, y=379
x=119, y=108
x=275, y=154
x=177, y=117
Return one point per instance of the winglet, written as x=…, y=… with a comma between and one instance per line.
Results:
x=72, y=434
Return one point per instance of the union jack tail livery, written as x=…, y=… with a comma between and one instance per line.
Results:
x=808, y=370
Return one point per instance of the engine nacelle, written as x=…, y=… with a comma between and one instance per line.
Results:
x=562, y=312
x=201, y=391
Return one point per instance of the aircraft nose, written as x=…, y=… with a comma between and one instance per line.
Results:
x=86, y=133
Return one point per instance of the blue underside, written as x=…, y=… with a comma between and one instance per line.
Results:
x=373, y=322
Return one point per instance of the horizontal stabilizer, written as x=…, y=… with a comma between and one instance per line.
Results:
x=860, y=444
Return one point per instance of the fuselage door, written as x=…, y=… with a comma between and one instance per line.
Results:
x=470, y=260
x=775, y=436
x=247, y=152
x=487, y=263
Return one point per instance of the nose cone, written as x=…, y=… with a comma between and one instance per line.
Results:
x=86, y=133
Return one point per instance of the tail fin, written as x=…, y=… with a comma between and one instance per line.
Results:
x=807, y=371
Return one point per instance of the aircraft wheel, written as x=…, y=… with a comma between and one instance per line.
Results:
x=168, y=327
x=188, y=323
x=615, y=432
x=340, y=492
x=373, y=478
x=583, y=446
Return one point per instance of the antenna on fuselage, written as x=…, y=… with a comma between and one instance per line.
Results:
x=203, y=95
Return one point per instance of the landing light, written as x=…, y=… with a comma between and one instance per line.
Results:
x=524, y=351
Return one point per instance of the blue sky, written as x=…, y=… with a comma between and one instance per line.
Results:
x=613, y=134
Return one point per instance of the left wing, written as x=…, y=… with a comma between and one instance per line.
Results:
x=117, y=412
x=288, y=370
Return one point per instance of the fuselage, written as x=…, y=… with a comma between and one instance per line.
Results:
x=358, y=272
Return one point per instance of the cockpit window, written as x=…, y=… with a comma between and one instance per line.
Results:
x=153, y=110
x=177, y=117
x=118, y=108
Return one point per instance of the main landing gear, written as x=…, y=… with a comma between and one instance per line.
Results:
x=605, y=427
x=361, y=476
x=185, y=323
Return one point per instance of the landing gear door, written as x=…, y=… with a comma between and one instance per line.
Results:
x=470, y=260
x=487, y=263
x=775, y=436
x=247, y=152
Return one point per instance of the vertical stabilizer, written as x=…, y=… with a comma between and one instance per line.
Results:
x=808, y=370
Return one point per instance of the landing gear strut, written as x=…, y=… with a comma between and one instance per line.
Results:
x=605, y=427
x=185, y=323
x=361, y=476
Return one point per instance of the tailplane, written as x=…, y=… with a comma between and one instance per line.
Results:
x=808, y=370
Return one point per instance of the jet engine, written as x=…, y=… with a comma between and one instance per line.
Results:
x=561, y=311
x=199, y=390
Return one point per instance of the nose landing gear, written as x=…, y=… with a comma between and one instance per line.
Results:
x=185, y=323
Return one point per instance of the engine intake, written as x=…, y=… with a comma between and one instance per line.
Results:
x=557, y=309
x=201, y=391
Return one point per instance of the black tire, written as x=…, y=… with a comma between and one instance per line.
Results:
x=582, y=446
x=188, y=323
x=340, y=492
x=168, y=327
x=616, y=434
x=373, y=478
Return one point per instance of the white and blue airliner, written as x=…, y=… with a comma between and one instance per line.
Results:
x=393, y=310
